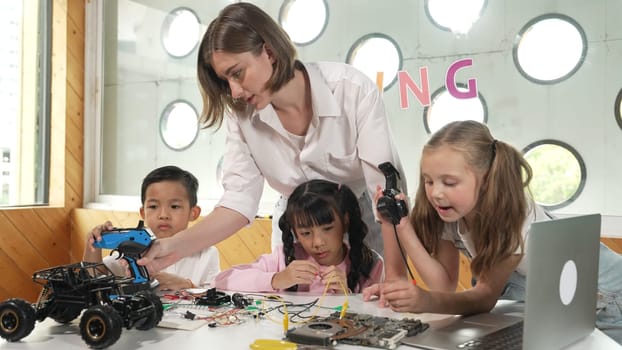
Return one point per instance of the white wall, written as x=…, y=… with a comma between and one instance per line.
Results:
x=578, y=111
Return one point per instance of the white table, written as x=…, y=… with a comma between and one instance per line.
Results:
x=50, y=335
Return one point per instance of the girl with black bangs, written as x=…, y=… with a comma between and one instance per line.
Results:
x=315, y=255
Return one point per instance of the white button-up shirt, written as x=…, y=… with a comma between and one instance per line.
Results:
x=349, y=136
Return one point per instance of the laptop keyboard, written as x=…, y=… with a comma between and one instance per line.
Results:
x=507, y=338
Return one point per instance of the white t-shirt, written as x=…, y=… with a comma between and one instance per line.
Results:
x=464, y=242
x=200, y=268
x=349, y=136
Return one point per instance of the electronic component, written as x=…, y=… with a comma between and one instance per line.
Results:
x=213, y=297
x=390, y=339
x=356, y=329
x=240, y=301
x=130, y=243
x=316, y=333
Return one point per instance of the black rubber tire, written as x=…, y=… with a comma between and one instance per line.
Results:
x=158, y=311
x=100, y=326
x=17, y=319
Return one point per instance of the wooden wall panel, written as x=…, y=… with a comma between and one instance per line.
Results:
x=614, y=243
x=39, y=237
x=75, y=34
x=16, y=245
x=56, y=220
x=27, y=244
x=16, y=279
x=246, y=245
x=74, y=106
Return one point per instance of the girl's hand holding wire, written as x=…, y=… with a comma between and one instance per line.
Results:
x=402, y=296
x=335, y=278
x=373, y=292
x=298, y=272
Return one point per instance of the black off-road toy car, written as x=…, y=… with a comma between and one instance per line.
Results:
x=109, y=302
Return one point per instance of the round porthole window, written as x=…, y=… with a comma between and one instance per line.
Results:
x=179, y=125
x=378, y=56
x=550, y=48
x=456, y=16
x=303, y=20
x=181, y=31
x=558, y=173
x=445, y=108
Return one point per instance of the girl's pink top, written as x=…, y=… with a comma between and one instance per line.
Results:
x=257, y=277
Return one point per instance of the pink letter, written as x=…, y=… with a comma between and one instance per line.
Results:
x=405, y=81
x=450, y=80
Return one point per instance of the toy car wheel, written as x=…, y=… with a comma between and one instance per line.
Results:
x=150, y=299
x=65, y=315
x=100, y=326
x=17, y=319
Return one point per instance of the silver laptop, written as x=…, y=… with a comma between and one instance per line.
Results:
x=560, y=306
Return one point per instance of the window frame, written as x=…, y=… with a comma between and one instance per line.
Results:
x=582, y=168
x=528, y=26
x=93, y=90
x=32, y=161
x=617, y=109
x=442, y=89
x=162, y=31
x=285, y=5
x=166, y=112
x=45, y=111
x=377, y=35
x=426, y=7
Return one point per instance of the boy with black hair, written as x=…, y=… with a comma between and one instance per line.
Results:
x=169, y=202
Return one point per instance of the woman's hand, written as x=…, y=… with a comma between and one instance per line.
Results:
x=161, y=254
x=335, y=278
x=298, y=272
